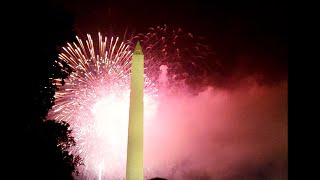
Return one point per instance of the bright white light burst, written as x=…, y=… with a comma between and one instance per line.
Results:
x=94, y=100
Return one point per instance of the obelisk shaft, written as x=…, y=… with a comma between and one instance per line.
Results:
x=134, y=167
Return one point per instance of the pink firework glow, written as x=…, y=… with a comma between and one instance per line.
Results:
x=184, y=53
x=212, y=134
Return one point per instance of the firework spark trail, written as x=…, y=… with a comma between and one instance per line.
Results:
x=184, y=53
x=94, y=100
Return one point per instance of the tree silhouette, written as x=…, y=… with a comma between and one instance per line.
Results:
x=42, y=146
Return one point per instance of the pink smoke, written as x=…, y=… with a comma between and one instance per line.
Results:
x=222, y=134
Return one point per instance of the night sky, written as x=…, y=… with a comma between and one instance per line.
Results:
x=235, y=128
x=247, y=36
x=249, y=39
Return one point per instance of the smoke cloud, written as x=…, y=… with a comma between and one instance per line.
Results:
x=220, y=134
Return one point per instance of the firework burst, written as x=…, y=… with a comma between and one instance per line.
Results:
x=94, y=100
x=184, y=54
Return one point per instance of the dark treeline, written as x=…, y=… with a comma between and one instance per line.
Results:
x=36, y=32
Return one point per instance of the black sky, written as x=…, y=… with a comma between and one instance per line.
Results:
x=249, y=37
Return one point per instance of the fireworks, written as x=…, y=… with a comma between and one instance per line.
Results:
x=185, y=54
x=94, y=100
